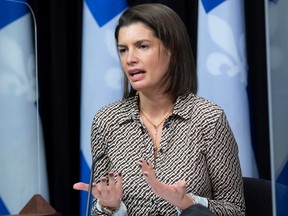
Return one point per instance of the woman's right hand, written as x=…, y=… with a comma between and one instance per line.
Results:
x=108, y=193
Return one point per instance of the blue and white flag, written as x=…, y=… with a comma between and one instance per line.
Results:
x=22, y=160
x=101, y=71
x=222, y=69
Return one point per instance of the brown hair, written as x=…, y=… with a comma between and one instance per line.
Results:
x=168, y=28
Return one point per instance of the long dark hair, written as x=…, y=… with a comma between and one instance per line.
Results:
x=168, y=28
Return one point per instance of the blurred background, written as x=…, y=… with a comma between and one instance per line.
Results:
x=60, y=50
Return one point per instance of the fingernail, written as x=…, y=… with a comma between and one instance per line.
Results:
x=120, y=174
x=111, y=174
x=145, y=174
x=140, y=166
x=103, y=180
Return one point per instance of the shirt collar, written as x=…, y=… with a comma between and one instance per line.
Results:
x=131, y=109
x=182, y=102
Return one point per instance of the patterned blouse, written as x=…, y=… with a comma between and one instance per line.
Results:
x=197, y=145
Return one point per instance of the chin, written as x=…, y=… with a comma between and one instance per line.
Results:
x=137, y=87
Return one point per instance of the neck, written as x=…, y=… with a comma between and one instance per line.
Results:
x=156, y=105
x=153, y=111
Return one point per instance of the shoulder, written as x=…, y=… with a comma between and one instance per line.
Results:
x=115, y=111
x=206, y=107
x=209, y=117
x=198, y=106
x=202, y=112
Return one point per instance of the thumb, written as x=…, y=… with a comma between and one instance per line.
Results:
x=181, y=184
x=81, y=186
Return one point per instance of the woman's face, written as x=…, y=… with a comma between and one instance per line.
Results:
x=144, y=58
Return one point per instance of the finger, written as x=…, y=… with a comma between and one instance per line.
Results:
x=181, y=183
x=102, y=186
x=143, y=164
x=150, y=165
x=111, y=180
x=103, y=181
x=146, y=174
x=141, y=161
x=181, y=186
x=120, y=177
x=96, y=190
x=81, y=186
x=119, y=181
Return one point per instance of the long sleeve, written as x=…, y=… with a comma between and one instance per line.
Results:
x=225, y=172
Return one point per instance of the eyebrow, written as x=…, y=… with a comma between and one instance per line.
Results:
x=138, y=42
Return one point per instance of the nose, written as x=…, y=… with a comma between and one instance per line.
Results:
x=132, y=57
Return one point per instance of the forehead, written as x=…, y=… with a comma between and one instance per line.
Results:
x=135, y=31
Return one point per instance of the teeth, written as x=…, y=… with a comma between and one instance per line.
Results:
x=135, y=73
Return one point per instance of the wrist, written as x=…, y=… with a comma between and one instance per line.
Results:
x=187, y=201
x=109, y=210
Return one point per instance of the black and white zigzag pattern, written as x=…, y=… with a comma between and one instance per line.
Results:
x=197, y=145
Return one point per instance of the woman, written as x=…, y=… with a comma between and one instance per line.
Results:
x=166, y=148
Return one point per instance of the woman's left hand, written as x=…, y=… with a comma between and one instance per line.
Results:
x=174, y=194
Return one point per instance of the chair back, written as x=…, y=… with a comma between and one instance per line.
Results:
x=258, y=196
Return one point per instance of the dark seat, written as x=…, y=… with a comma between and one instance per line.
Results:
x=258, y=196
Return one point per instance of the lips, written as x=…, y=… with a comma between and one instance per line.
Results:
x=136, y=74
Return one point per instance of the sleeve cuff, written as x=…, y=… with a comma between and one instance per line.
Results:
x=197, y=200
x=122, y=211
x=200, y=200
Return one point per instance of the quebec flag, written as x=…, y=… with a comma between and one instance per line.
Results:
x=222, y=69
x=101, y=72
x=22, y=159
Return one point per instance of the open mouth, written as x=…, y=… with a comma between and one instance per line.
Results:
x=135, y=73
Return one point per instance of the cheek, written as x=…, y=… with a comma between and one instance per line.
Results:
x=164, y=65
x=153, y=61
x=160, y=61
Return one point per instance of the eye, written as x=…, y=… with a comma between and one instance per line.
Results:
x=122, y=50
x=143, y=46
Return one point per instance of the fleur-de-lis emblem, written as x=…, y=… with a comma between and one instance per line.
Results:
x=231, y=60
x=17, y=74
